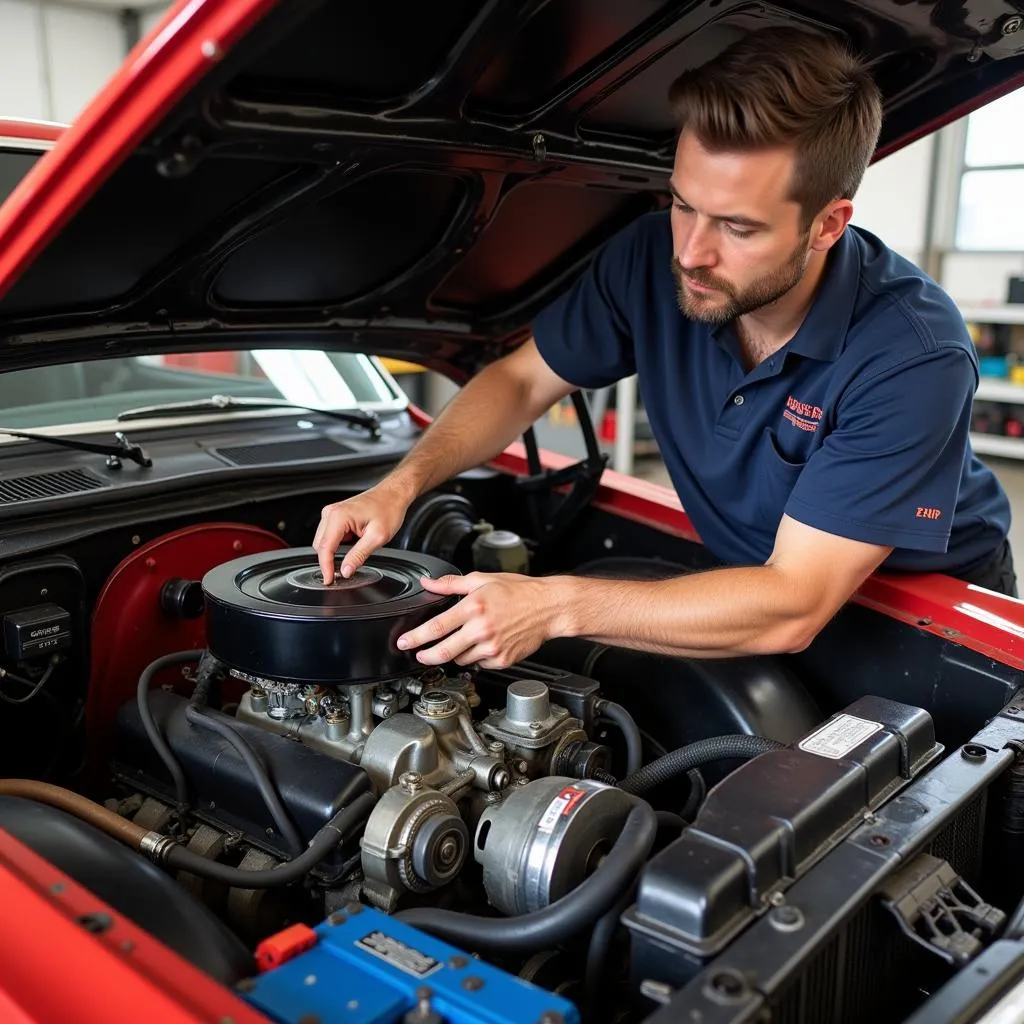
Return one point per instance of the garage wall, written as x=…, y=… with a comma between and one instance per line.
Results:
x=54, y=57
x=893, y=199
x=149, y=16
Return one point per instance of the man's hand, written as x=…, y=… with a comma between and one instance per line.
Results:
x=502, y=619
x=373, y=516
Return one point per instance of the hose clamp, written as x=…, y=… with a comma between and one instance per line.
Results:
x=156, y=846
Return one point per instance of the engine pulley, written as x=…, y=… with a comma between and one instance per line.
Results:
x=271, y=615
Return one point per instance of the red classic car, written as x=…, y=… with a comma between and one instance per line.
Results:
x=225, y=794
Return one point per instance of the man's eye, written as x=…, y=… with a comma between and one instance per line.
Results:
x=683, y=208
x=737, y=233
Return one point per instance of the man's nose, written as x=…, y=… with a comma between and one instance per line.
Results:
x=697, y=248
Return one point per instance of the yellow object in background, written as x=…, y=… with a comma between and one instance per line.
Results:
x=397, y=366
x=1017, y=374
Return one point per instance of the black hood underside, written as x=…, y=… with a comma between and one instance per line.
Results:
x=418, y=179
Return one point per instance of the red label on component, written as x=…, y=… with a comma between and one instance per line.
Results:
x=572, y=796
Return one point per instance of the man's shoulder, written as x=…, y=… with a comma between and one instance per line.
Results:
x=898, y=300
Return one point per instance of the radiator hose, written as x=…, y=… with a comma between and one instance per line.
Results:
x=694, y=755
x=568, y=916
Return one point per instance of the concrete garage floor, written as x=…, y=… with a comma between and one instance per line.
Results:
x=1009, y=471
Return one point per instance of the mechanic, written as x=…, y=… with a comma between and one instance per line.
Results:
x=809, y=389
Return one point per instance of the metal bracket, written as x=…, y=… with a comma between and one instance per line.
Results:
x=938, y=910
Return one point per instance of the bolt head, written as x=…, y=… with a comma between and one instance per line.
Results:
x=448, y=851
x=411, y=782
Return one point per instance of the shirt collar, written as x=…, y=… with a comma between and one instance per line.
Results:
x=823, y=332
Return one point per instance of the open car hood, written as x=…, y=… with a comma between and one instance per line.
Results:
x=415, y=180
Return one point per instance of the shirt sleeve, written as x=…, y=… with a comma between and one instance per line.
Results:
x=584, y=335
x=890, y=472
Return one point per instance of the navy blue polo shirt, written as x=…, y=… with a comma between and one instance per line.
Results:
x=858, y=426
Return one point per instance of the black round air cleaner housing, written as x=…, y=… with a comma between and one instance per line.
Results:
x=270, y=615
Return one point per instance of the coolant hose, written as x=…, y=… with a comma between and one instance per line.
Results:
x=630, y=733
x=178, y=858
x=159, y=743
x=694, y=755
x=560, y=920
x=268, y=791
x=113, y=824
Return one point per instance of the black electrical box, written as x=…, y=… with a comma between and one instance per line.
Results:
x=36, y=632
x=1015, y=291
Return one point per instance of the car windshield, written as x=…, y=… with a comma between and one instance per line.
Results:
x=80, y=394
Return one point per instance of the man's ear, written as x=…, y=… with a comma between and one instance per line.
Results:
x=830, y=224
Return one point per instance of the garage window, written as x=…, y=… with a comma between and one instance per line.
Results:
x=990, y=216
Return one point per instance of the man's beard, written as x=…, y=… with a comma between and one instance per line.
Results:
x=709, y=309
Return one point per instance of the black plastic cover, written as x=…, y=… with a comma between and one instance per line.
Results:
x=313, y=787
x=131, y=885
x=270, y=615
x=36, y=632
x=770, y=820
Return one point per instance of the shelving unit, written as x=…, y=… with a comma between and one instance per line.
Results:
x=993, y=314
x=993, y=390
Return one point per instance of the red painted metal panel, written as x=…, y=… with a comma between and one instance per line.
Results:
x=41, y=131
x=56, y=970
x=130, y=629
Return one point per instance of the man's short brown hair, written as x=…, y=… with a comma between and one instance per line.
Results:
x=788, y=87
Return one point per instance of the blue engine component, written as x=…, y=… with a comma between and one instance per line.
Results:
x=368, y=968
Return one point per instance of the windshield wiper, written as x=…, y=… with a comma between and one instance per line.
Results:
x=123, y=449
x=227, y=403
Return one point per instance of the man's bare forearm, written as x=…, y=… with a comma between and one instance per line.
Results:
x=490, y=412
x=722, y=613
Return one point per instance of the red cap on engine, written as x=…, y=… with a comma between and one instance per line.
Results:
x=284, y=946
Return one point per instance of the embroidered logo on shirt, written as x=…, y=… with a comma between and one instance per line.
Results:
x=928, y=513
x=801, y=415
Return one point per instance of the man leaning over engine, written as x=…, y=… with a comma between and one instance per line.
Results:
x=810, y=390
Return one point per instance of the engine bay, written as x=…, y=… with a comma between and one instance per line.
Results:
x=240, y=760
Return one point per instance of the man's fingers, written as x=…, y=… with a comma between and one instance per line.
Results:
x=334, y=527
x=449, y=648
x=371, y=539
x=454, y=584
x=436, y=628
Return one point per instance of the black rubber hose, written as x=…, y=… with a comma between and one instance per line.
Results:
x=670, y=821
x=327, y=839
x=630, y=733
x=595, y=977
x=268, y=791
x=155, y=737
x=559, y=921
x=694, y=755
x=698, y=791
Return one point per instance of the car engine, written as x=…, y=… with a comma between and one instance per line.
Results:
x=594, y=834
x=330, y=709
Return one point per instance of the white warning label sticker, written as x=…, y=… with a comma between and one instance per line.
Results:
x=837, y=738
x=560, y=807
